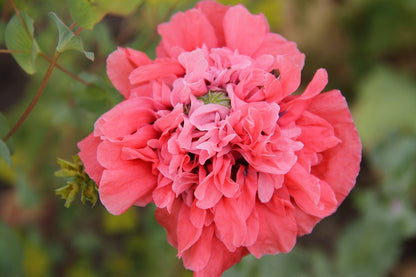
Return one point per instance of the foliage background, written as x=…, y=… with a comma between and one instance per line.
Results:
x=368, y=48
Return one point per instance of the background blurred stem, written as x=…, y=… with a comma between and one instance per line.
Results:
x=20, y=18
x=36, y=98
x=70, y=74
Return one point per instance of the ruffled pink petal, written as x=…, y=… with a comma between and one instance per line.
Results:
x=340, y=165
x=120, y=64
x=122, y=119
x=303, y=185
x=317, y=134
x=186, y=32
x=248, y=187
x=295, y=107
x=267, y=184
x=109, y=156
x=163, y=195
x=304, y=221
x=169, y=221
x=197, y=256
x=276, y=45
x=214, y=12
x=197, y=215
x=244, y=31
x=221, y=261
x=253, y=228
x=277, y=231
x=231, y=227
x=207, y=193
x=159, y=69
x=88, y=154
x=121, y=188
x=188, y=234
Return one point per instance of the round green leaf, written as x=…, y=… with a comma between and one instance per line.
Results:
x=5, y=153
x=87, y=13
x=19, y=37
x=67, y=40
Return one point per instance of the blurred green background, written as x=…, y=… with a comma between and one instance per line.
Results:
x=369, y=50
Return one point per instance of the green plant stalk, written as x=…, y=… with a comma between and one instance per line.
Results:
x=43, y=55
x=20, y=18
x=36, y=98
x=70, y=74
x=7, y=51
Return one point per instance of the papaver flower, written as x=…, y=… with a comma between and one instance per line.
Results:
x=213, y=134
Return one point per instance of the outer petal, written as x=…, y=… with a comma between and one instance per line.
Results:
x=159, y=69
x=221, y=260
x=185, y=32
x=340, y=165
x=244, y=31
x=125, y=118
x=197, y=257
x=188, y=234
x=214, y=12
x=88, y=154
x=120, y=64
x=121, y=188
x=231, y=227
x=277, y=230
x=276, y=45
x=169, y=221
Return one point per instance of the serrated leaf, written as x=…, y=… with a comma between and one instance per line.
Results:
x=66, y=164
x=89, y=193
x=66, y=173
x=68, y=193
x=5, y=153
x=87, y=13
x=20, y=38
x=67, y=40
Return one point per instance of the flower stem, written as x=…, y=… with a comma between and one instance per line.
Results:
x=7, y=51
x=20, y=18
x=70, y=74
x=36, y=98
x=5, y=12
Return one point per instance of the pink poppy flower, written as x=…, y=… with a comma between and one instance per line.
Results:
x=211, y=132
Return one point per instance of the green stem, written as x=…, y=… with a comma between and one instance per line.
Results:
x=36, y=98
x=21, y=19
x=5, y=12
x=70, y=74
x=7, y=51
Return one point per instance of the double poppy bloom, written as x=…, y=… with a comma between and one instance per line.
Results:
x=213, y=134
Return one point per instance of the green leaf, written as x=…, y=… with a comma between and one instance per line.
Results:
x=89, y=193
x=68, y=193
x=20, y=38
x=4, y=129
x=87, y=13
x=11, y=252
x=66, y=173
x=79, y=181
x=66, y=164
x=67, y=40
x=5, y=153
x=386, y=104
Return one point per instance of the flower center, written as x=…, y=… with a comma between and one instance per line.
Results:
x=219, y=97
